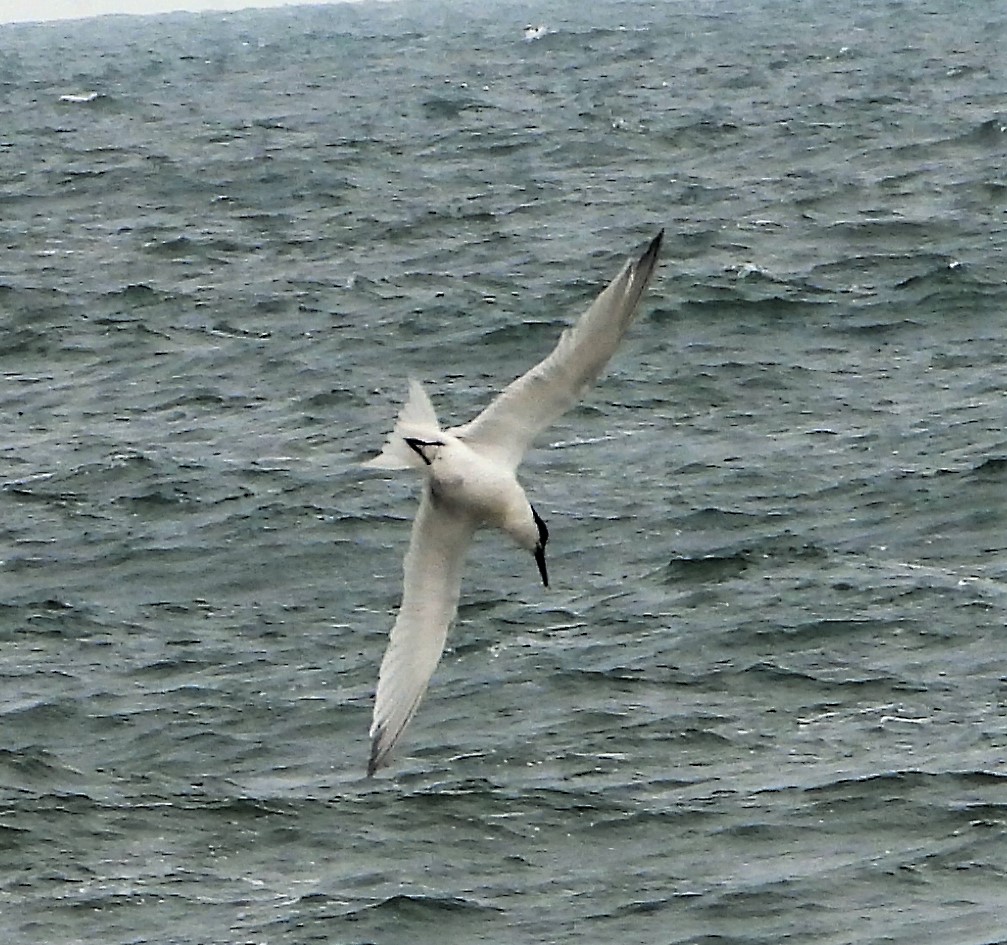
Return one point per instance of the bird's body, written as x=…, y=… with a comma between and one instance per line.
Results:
x=464, y=482
x=470, y=482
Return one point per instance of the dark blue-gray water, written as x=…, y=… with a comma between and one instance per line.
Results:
x=765, y=699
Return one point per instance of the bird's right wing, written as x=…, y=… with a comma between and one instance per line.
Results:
x=506, y=428
x=431, y=584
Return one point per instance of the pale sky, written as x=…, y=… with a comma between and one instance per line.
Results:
x=16, y=11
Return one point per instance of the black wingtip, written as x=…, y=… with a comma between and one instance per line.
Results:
x=650, y=253
x=374, y=762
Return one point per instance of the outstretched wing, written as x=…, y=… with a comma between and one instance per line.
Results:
x=506, y=428
x=433, y=572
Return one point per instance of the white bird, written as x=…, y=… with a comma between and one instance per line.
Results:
x=470, y=481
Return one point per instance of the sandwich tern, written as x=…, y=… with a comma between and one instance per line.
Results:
x=469, y=482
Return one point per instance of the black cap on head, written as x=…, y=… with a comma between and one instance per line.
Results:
x=543, y=537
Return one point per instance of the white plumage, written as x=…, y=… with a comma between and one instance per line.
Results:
x=470, y=482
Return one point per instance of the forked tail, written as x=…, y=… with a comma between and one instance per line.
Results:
x=416, y=419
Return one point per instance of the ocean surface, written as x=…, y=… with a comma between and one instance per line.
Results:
x=765, y=699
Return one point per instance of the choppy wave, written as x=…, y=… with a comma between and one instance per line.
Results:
x=762, y=700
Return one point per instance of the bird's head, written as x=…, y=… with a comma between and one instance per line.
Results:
x=539, y=549
x=528, y=530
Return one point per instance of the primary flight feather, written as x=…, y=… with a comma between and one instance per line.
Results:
x=469, y=482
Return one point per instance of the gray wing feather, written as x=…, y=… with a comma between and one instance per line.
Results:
x=431, y=583
x=506, y=428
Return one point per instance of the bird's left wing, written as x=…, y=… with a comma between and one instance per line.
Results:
x=431, y=583
x=506, y=428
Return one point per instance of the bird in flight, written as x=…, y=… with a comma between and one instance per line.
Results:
x=470, y=482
